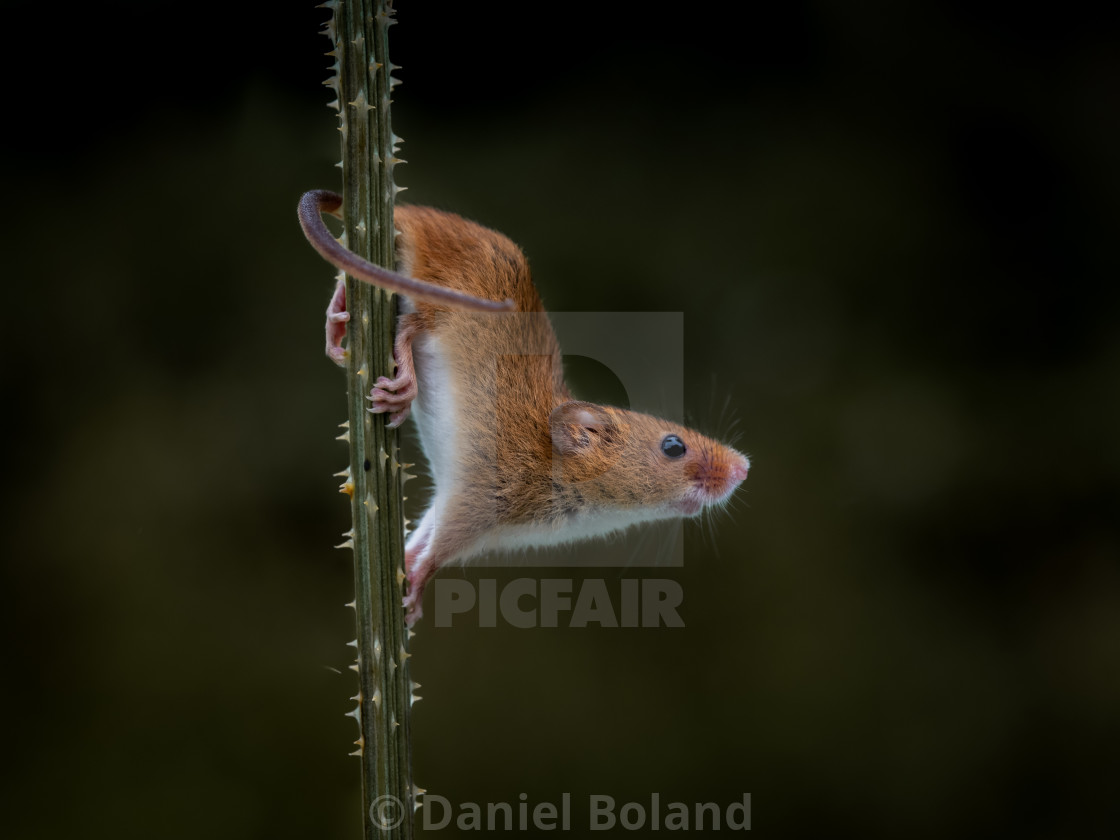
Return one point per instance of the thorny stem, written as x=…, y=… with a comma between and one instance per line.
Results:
x=359, y=30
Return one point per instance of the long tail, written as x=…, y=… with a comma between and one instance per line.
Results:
x=311, y=207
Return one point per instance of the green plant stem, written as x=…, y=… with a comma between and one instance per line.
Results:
x=363, y=82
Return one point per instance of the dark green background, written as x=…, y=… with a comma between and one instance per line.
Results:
x=892, y=231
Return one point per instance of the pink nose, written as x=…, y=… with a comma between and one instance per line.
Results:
x=739, y=469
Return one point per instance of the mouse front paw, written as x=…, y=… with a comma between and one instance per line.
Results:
x=337, y=318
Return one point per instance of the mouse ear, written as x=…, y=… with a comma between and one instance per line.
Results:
x=578, y=427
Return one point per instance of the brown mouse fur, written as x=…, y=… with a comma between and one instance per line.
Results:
x=515, y=460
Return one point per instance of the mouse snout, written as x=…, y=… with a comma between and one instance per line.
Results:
x=715, y=474
x=727, y=474
x=739, y=469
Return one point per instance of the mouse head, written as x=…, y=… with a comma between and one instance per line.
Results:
x=623, y=459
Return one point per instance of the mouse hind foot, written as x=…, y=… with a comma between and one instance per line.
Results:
x=429, y=548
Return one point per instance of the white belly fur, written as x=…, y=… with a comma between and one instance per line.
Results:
x=434, y=409
x=586, y=526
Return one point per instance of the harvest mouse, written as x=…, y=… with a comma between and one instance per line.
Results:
x=515, y=461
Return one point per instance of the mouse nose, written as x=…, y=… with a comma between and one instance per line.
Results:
x=739, y=469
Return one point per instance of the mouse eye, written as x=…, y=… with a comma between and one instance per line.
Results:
x=673, y=446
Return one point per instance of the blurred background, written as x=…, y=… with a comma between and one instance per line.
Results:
x=892, y=231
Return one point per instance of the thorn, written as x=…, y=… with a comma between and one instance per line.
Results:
x=361, y=103
x=411, y=632
x=356, y=713
x=376, y=650
x=352, y=605
x=329, y=27
x=334, y=103
x=357, y=697
x=371, y=504
x=347, y=544
x=400, y=575
x=377, y=698
x=347, y=487
x=383, y=455
x=345, y=436
x=354, y=667
x=353, y=644
x=343, y=474
x=404, y=654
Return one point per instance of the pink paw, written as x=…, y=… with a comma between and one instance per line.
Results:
x=417, y=578
x=337, y=318
x=393, y=397
x=413, y=606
